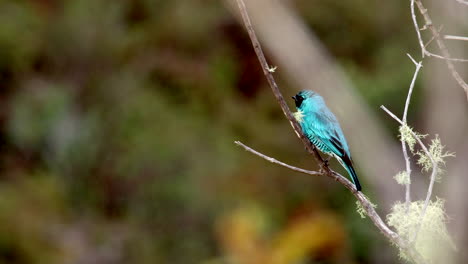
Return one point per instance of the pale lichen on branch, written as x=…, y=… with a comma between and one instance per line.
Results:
x=419, y=217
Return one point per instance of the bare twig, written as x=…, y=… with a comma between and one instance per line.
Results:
x=418, y=32
x=341, y=179
x=272, y=160
x=367, y=205
x=403, y=144
x=462, y=2
x=432, y=38
x=443, y=48
x=435, y=169
x=430, y=54
x=455, y=37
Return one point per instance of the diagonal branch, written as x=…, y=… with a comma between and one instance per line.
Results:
x=274, y=87
x=341, y=179
x=275, y=161
x=418, y=32
x=443, y=48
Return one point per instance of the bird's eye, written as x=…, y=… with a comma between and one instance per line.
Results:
x=298, y=100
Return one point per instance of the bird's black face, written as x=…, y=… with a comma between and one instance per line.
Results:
x=298, y=100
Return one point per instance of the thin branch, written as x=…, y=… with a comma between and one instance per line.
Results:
x=403, y=143
x=464, y=2
x=435, y=169
x=432, y=38
x=275, y=161
x=418, y=32
x=413, y=81
x=408, y=172
x=274, y=87
x=430, y=54
x=455, y=37
x=341, y=179
x=443, y=48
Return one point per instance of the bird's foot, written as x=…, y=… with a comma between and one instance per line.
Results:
x=326, y=162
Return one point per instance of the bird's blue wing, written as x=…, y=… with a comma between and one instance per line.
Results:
x=325, y=128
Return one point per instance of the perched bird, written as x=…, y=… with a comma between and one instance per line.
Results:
x=321, y=127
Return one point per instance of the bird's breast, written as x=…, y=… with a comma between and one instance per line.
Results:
x=299, y=116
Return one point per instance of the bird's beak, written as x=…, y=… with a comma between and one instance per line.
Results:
x=293, y=97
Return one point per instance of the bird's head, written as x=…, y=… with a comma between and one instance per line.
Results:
x=302, y=96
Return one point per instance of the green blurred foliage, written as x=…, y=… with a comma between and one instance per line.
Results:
x=117, y=122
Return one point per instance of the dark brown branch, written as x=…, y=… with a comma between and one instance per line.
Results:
x=274, y=87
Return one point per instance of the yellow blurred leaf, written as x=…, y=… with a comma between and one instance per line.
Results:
x=313, y=235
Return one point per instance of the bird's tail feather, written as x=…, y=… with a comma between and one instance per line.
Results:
x=353, y=175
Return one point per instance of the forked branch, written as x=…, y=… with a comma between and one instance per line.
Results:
x=437, y=37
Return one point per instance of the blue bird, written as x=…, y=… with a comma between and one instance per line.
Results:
x=321, y=127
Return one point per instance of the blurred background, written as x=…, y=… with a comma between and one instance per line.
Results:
x=117, y=123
